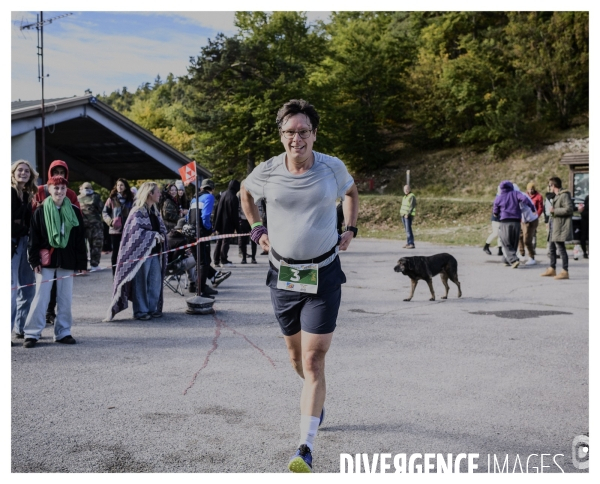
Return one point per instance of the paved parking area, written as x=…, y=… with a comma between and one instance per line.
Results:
x=501, y=371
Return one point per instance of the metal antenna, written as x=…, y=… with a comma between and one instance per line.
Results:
x=39, y=26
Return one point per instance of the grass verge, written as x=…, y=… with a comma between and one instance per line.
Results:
x=444, y=221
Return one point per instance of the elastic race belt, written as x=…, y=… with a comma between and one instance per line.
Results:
x=316, y=260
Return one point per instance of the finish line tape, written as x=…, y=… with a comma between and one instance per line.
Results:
x=181, y=247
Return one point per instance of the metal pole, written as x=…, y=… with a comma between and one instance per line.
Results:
x=197, y=236
x=408, y=177
x=41, y=32
x=39, y=26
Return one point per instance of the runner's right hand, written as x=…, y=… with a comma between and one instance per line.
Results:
x=264, y=242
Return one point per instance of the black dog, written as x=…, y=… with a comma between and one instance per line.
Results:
x=426, y=268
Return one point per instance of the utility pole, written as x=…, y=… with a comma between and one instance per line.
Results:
x=39, y=26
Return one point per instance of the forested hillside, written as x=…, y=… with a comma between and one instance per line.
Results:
x=385, y=84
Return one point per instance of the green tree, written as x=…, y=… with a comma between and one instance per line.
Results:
x=119, y=100
x=360, y=84
x=551, y=50
x=460, y=66
x=238, y=84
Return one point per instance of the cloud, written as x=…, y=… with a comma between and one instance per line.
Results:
x=82, y=55
x=104, y=51
x=217, y=21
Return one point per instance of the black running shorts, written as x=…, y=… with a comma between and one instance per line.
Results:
x=313, y=313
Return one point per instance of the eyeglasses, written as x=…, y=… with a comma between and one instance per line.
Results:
x=303, y=133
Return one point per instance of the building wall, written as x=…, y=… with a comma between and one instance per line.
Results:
x=22, y=147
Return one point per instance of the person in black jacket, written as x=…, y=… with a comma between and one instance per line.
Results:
x=226, y=222
x=23, y=189
x=584, y=209
x=56, y=249
x=244, y=228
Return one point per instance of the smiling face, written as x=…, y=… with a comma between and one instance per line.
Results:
x=120, y=187
x=57, y=192
x=22, y=174
x=173, y=191
x=298, y=150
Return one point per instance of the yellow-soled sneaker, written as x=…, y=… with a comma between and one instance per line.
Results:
x=301, y=462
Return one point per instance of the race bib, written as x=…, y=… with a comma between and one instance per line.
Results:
x=298, y=277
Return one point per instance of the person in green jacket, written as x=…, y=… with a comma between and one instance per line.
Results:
x=560, y=229
x=407, y=212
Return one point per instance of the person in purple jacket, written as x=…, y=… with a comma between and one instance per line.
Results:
x=507, y=208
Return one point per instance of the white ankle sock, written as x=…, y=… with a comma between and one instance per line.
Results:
x=308, y=430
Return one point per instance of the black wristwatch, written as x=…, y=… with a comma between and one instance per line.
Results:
x=354, y=230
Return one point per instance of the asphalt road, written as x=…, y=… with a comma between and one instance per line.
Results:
x=503, y=371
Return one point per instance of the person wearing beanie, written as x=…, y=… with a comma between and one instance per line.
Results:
x=56, y=250
x=184, y=204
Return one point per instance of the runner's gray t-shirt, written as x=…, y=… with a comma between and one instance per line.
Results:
x=301, y=208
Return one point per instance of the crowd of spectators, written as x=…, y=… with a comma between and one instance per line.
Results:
x=55, y=234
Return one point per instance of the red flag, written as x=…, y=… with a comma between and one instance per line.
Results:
x=188, y=173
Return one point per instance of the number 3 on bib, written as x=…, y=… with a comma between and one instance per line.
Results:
x=298, y=277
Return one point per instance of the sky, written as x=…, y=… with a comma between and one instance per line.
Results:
x=104, y=51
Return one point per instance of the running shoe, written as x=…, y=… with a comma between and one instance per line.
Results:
x=219, y=278
x=301, y=462
x=207, y=291
x=31, y=342
x=67, y=340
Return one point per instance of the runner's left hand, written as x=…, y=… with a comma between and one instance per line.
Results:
x=346, y=239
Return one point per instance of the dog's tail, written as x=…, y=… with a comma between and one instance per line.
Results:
x=452, y=265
